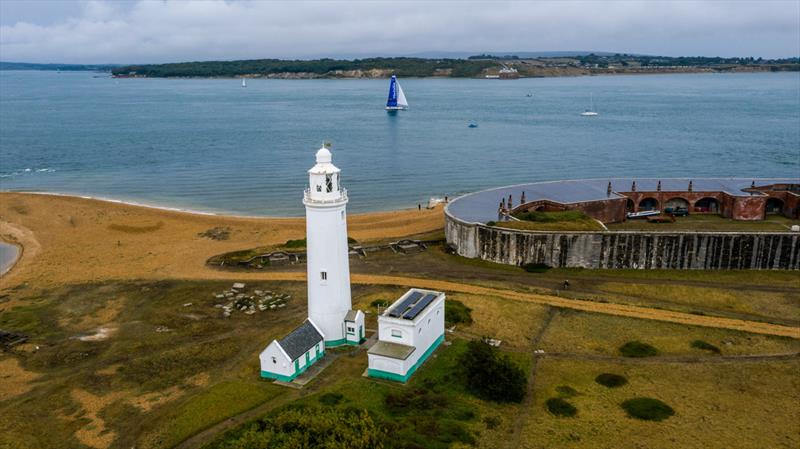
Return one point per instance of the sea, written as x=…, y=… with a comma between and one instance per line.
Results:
x=210, y=145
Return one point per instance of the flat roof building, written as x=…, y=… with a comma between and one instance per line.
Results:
x=408, y=333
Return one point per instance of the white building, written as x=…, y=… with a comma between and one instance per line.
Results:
x=328, y=253
x=290, y=356
x=331, y=322
x=408, y=333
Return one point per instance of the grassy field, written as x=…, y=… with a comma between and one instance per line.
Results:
x=552, y=221
x=710, y=223
x=149, y=364
x=722, y=405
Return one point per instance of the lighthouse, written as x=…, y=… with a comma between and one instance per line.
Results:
x=327, y=251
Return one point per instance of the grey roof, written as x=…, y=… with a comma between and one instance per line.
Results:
x=480, y=207
x=392, y=350
x=300, y=340
x=351, y=315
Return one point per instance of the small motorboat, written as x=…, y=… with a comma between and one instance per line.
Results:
x=642, y=214
x=472, y=125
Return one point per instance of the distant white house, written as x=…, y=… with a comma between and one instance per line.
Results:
x=290, y=356
x=354, y=327
x=408, y=333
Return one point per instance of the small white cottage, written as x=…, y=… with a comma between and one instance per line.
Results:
x=408, y=333
x=354, y=327
x=290, y=356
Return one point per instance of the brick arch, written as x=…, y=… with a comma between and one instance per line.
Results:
x=649, y=203
x=774, y=206
x=677, y=201
x=707, y=205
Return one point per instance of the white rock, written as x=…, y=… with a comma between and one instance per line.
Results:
x=238, y=285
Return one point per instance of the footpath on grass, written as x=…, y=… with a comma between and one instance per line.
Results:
x=625, y=310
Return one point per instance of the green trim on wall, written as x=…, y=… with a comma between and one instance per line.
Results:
x=281, y=377
x=398, y=378
x=335, y=343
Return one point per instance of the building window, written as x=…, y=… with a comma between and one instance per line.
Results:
x=419, y=331
x=429, y=321
x=319, y=188
x=396, y=333
x=329, y=183
x=323, y=275
x=274, y=360
x=342, y=215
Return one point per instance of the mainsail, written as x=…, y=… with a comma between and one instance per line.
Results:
x=397, y=99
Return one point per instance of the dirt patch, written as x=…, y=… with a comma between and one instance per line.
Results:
x=147, y=402
x=14, y=380
x=100, y=334
x=95, y=434
x=200, y=380
x=110, y=370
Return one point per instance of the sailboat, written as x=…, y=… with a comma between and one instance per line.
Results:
x=244, y=82
x=590, y=112
x=397, y=99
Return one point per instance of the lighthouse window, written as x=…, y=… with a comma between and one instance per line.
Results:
x=319, y=188
x=323, y=275
x=396, y=333
x=329, y=183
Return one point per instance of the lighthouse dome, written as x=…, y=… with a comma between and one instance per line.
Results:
x=323, y=156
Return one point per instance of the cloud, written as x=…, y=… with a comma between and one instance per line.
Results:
x=162, y=31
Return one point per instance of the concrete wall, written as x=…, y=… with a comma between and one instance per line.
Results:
x=679, y=250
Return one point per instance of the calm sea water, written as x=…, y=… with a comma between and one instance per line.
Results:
x=214, y=146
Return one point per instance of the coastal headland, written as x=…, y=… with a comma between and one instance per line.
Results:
x=127, y=345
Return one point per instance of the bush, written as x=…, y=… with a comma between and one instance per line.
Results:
x=700, y=344
x=611, y=380
x=647, y=409
x=455, y=312
x=331, y=399
x=491, y=223
x=560, y=407
x=637, y=349
x=492, y=422
x=536, y=267
x=311, y=427
x=492, y=376
x=379, y=303
x=299, y=243
x=565, y=391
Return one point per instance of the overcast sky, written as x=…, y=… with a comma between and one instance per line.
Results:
x=132, y=31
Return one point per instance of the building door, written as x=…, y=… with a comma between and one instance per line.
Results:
x=360, y=333
x=308, y=358
x=297, y=365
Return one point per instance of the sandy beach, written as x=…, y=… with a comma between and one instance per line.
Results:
x=70, y=239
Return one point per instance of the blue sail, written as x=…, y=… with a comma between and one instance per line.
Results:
x=392, y=101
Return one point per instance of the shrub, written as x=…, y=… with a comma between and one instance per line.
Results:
x=492, y=422
x=648, y=409
x=551, y=217
x=637, y=349
x=331, y=399
x=611, y=380
x=565, y=391
x=379, y=303
x=536, y=267
x=492, y=376
x=351, y=240
x=491, y=223
x=299, y=243
x=455, y=312
x=306, y=427
x=560, y=407
x=700, y=344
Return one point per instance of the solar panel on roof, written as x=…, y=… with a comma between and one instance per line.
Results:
x=398, y=310
x=419, y=307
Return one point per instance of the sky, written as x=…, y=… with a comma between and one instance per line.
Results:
x=154, y=31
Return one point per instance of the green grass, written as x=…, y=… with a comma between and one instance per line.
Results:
x=700, y=344
x=710, y=223
x=216, y=403
x=637, y=349
x=647, y=409
x=552, y=221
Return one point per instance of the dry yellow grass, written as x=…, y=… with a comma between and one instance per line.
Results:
x=14, y=379
x=585, y=333
x=749, y=405
x=768, y=304
x=513, y=322
x=95, y=433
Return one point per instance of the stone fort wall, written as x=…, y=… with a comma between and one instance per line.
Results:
x=631, y=249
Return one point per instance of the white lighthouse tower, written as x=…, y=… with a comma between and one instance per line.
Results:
x=326, y=241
